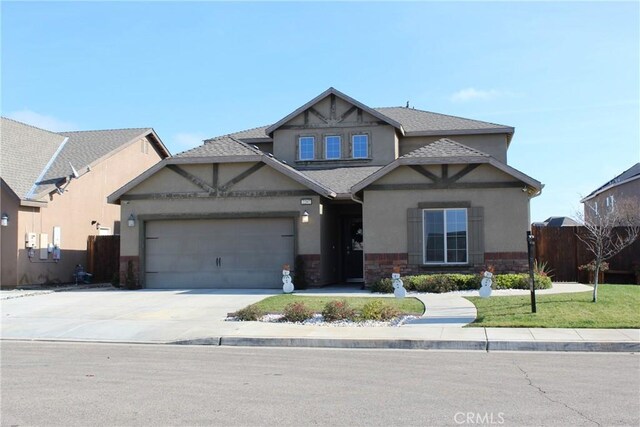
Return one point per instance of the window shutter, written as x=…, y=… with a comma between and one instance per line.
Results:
x=476, y=235
x=414, y=236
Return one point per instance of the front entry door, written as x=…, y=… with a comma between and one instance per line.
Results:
x=353, y=249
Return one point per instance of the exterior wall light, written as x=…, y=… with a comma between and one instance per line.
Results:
x=5, y=220
x=131, y=222
x=305, y=217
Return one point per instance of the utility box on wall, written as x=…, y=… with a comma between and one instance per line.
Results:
x=30, y=240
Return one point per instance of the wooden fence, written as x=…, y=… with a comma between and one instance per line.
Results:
x=564, y=252
x=103, y=257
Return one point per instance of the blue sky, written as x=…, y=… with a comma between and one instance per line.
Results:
x=565, y=75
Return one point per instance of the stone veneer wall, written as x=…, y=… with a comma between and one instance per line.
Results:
x=378, y=266
x=311, y=269
x=124, y=262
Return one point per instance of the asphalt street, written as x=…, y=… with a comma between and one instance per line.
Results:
x=58, y=383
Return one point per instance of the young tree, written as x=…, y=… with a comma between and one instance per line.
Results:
x=608, y=231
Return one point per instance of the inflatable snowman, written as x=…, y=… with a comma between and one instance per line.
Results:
x=485, y=289
x=287, y=285
x=398, y=287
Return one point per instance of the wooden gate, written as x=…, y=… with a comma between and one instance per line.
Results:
x=103, y=257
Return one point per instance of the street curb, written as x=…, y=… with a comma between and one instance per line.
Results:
x=404, y=344
x=583, y=346
x=409, y=344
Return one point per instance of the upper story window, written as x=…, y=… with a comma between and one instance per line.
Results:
x=445, y=236
x=306, y=148
x=332, y=146
x=360, y=146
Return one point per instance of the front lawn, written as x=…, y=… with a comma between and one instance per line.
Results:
x=618, y=306
x=276, y=304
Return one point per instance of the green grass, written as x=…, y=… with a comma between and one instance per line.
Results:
x=618, y=306
x=276, y=304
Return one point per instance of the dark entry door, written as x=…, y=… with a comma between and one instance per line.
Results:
x=352, y=246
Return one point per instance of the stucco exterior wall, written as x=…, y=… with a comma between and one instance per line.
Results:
x=493, y=144
x=506, y=210
x=9, y=204
x=84, y=200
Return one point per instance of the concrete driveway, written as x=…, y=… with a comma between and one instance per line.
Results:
x=115, y=315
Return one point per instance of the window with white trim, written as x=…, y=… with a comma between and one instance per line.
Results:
x=445, y=236
x=360, y=146
x=332, y=146
x=306, y=148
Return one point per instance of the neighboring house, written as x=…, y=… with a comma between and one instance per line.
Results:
x=54, y=194
x=604, y=198
x=557, y=221
x=337, y=189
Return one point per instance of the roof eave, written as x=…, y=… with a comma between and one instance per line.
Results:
x=607, y=188
x=505, y=130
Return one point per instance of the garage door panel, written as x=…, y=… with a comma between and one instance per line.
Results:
x=183, y=253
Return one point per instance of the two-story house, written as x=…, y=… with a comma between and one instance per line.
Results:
x=604, y=198
x=343, y=191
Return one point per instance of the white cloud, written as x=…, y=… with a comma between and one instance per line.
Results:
x=185, y=141
x=42, y=121
x=471, y=94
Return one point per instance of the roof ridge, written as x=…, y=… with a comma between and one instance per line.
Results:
x=102, y=130
x=31, y=126
x=445, y=115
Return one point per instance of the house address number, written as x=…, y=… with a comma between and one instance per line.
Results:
x=305, y=201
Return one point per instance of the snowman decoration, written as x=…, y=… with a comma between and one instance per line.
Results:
x=287, y=285
x=485, y=289
x=398, y=287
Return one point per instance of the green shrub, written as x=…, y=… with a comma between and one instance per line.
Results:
x=383, y=286
x=520, y=281
x=338, y=310
x=297, y=312
x=249, y=313
x=439, y=283
x=378, y=310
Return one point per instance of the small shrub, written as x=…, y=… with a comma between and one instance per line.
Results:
x=297, y=312
x=383, y=286
x=378, y=310
x=249, y=313
x=338, y=310
x=521, y=281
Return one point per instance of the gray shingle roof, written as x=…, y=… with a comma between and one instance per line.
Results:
x=222, y=146
x=443, y=148
x=419, y=121
x=25, y=152
x=414, y=122
x=255, y=133
x=34, y=160
x=83, y=148
x=628, y=174
x=340, y=180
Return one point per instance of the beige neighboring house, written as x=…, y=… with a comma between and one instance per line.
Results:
x=604, y=198
x=340, y=191
x=54, y=194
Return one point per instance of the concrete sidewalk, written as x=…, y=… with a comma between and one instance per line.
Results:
x=197, y=317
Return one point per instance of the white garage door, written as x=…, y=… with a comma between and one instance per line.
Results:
x=219, y=253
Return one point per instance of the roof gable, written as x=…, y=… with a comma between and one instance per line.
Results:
x=332, y=93
x=226, y=149
x=445, y=151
